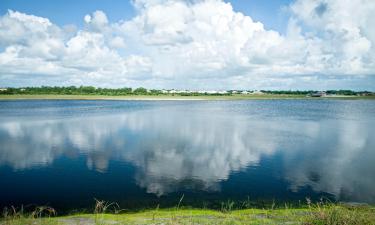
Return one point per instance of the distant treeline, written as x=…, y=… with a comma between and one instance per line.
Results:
x=89, y=90
x=328, y=92
x=82, y=90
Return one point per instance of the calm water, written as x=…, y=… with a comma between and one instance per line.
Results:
x=144, y=153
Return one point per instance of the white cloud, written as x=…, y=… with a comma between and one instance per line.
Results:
x=97, y=22
x=117, y=42
x=33, y=45
x=346, y=31
x=176, y=43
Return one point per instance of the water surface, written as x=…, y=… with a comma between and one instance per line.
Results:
x=65, y=153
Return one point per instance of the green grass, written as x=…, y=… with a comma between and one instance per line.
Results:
x=330, y=214
x=173, y=97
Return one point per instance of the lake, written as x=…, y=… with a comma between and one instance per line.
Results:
x=140, y=154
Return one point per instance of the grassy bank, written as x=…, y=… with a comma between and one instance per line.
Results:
x=173, y=97
x=312, y=214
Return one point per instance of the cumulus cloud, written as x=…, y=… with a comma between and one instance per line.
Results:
x=33, y=46
x=346, y=32
x=178, y=43
x=97, y=22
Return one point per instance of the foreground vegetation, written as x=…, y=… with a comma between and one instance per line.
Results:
x=319, y=213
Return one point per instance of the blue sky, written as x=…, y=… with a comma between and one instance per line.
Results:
x=270, y=12
x=70, y=11
x=194, y=44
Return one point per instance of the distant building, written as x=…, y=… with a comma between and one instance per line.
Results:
x=257, y=92
x=184, y=91
x=366, y=93
x=318, y=94
x=3, y=89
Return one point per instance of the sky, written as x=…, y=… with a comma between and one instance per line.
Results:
x=189, y=44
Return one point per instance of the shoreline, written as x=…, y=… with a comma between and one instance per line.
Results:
x=312, y=214
x=176, y=98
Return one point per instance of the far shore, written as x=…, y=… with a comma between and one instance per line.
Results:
x=174, y=97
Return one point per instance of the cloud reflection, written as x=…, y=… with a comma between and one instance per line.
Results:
x=339, y=160
x=172, y=149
